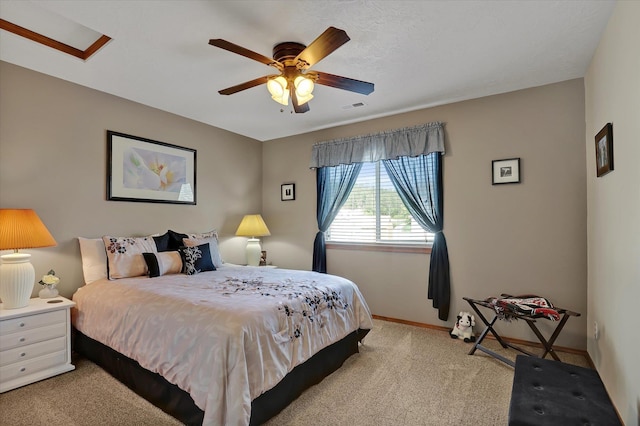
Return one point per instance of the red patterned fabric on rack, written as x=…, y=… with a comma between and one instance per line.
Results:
x=533, y=306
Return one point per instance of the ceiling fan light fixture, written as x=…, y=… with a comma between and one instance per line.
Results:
x=293, y=61
x=282, y=100
x=278, y=88
x=304, y=86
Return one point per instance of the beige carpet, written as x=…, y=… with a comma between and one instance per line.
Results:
x=403, y=375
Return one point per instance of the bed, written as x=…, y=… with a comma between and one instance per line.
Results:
x=228, y=346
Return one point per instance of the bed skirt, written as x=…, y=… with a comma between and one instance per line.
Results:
x=179, y=404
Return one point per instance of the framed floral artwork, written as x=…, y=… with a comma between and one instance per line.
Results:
x=145, y=170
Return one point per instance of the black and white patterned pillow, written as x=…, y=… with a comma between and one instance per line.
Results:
x=213, y=247
x=196, y=259
x=124, y=255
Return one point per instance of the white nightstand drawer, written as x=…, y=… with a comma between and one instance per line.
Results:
x=35, y=342
x=28, y=337
x=20, y=369
x=32, y=351
x=29, y=322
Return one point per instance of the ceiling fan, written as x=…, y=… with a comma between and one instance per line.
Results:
x=293, y=61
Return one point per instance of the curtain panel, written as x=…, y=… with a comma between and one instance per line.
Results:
x=409, y=141
x=418, y=181
x=334, y=184
x=416, y=175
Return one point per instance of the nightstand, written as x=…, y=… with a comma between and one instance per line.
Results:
x=35, y=342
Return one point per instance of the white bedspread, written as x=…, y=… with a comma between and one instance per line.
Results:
x=225, y=336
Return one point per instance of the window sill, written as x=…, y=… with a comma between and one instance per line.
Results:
x=395, y=248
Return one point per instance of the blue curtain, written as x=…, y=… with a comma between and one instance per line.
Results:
x=418, y=181
x=334, y=184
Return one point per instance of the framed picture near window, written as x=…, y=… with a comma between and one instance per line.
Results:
x=288, y=192
x=145, y=170
x=604, y=150
x=505, y=171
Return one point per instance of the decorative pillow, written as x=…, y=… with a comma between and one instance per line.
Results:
x=175, y=239
x=164, y=263
x=94, y=259
x=124, y=255
x=196, y=259
x=163, y=242
x=213, y=247
x=170, y=262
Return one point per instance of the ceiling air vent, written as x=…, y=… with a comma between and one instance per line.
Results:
x=356, y=105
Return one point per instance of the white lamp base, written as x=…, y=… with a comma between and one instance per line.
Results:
x=17, y=277
x=254, y=251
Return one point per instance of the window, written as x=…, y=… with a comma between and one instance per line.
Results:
x=374, y=213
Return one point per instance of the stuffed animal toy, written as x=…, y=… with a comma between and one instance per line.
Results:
x=464, y=327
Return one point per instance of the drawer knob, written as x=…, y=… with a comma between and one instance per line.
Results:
x=23, y=354
x=21, y=324
x=23, y=369
x=22, y=339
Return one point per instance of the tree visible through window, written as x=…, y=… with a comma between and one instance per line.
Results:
x=374, y=213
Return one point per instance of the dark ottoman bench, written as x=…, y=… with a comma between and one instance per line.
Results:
x=547, y=392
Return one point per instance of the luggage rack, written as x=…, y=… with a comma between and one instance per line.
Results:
x=530, y=319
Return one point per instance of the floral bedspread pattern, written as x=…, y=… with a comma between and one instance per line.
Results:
x=225, y=336
x=298, y=301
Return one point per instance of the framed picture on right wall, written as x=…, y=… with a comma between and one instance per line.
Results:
x=604, y=150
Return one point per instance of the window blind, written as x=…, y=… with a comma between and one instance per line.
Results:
x=374, y=213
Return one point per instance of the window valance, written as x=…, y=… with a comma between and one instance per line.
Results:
x=406, y=142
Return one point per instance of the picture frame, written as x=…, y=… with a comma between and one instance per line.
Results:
x=604, y=150
x=288, y=192
x=505, y=171
x=144, y=170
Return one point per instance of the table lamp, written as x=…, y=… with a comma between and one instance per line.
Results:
x=253, y=226
x=19, y=229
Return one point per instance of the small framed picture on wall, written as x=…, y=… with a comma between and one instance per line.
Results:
x=505, y=171
x=288, y=191
x=604, y=150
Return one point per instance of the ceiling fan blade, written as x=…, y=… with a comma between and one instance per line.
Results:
x=344, y=83
x=226, y=45
x=299, y=109
x=244, y=86
x=326, y=43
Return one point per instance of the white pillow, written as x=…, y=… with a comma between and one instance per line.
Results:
x=213, y=247
x=124, y=255
x=94, y=259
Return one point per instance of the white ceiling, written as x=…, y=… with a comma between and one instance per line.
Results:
x=418, y=53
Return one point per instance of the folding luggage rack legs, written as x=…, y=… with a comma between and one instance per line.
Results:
x=531, y=322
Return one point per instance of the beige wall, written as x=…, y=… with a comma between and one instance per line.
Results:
x=517, y=238
x=53, y=159
x=613, y=96
x=526, y=238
